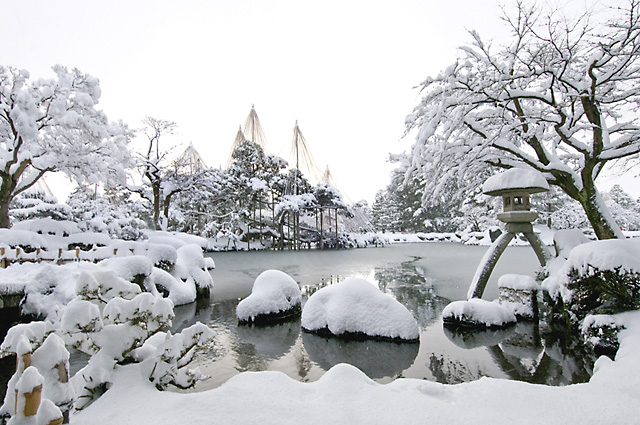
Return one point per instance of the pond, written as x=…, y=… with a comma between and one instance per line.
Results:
x=424, y=278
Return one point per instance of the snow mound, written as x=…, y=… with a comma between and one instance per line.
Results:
x=275, y=296
x=515, y=178
x=567, y=239
x=477, y=313
x=356, y=308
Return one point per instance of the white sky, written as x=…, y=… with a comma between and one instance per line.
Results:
x=346, y=70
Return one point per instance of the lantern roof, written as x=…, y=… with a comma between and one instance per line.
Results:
x=515, y=179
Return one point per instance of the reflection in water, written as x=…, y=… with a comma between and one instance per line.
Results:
x=524, y=355
x=377, y=359
x=270, y=342
x=525, y=352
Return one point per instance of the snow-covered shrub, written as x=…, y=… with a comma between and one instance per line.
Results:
x=565, y=240
x=87, y=240
x=174, y=353
x=601, y=332
x=36, y=203
x=191, y=267
x=601, y=277
x=125, y=331
x=275, y=296
x=355, y=308
x=603, y=291
x=135, y=268
x=49, y=288
x=26, y=240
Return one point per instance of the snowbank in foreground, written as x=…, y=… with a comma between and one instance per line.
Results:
x=355, y=306
x=345, y=395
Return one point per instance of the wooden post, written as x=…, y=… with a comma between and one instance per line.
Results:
x=63, y=374
x=32, y=401
x=3, y=260
x=337, y=245
x=321, y=229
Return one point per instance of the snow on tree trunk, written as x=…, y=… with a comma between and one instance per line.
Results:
x=599, y=215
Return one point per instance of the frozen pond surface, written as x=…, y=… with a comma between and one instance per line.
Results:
x=423, y=277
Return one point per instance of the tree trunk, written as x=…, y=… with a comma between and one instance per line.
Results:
x=6, y=190
x=156, y=206
x=598, y=214
x=4, y=212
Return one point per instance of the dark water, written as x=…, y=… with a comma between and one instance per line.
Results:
x=424, y=278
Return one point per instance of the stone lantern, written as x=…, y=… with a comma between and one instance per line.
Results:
x=514, y=185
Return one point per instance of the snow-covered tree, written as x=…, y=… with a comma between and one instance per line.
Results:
x=622, y=198
x=624, y=208
x=161, y=179
x=559, y=96
x=35, y=203
x=385, y=214
x=51, y=125
x=112, y=212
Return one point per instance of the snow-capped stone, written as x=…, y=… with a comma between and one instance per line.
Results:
x=275, y=296
x=518, y=293
x=355, y=307
x=477, y=312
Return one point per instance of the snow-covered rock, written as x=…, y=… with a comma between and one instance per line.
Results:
x=477, y=313
x=518, y=293
x=275, y=296
x=357, y=308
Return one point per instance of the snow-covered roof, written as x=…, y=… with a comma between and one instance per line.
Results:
x=531, y=181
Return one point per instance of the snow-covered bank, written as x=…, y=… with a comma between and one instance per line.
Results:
x=346, y=395
x=45, y=258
